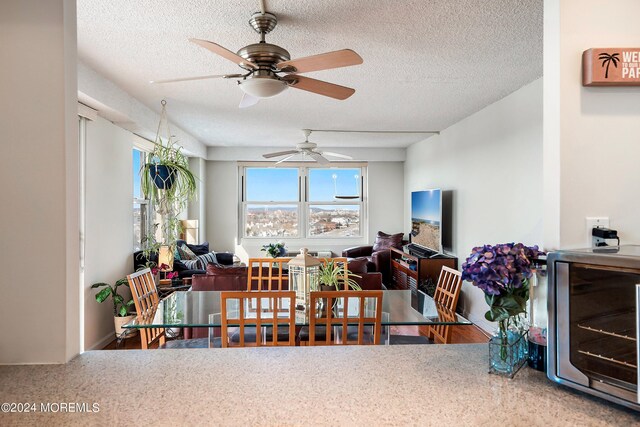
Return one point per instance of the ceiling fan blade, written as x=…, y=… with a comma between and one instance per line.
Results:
x=279, y=153
x=286, y=158
x=323, y=61
x=318, y=86
x=225, y=53
x=342, y=156
x=318, y=158
x=248, y=100
x=186, y=79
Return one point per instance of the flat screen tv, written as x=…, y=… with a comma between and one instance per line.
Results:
x=426, y=219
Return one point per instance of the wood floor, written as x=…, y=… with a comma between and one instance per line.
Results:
x=459, y=335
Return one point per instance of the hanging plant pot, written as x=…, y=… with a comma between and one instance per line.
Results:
x=163, y=176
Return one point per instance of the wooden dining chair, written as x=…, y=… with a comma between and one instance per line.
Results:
x=446, y=297
x=268, y=274
x=322, y=313
x=258, y=318
x=146, y=299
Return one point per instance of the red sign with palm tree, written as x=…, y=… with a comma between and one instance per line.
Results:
x=611, y=67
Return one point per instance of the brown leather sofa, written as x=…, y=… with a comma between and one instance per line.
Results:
x=377, y=255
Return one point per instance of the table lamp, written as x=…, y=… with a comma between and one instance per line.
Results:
x=165, y=257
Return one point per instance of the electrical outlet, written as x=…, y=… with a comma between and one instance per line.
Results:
x=592, y=222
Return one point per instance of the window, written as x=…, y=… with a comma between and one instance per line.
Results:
x=303, y=201
x=141, y=209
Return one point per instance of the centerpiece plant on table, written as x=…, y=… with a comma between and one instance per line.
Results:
x=333, y=275
x=502, y=272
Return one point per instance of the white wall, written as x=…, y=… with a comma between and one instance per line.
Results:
x=39, y=286
x=197, y=207
x=492, y=161
x=386, y=198
x=598, y=127
x=222, y=205
x=386, y=206
x=119, y=107
x=108, y=223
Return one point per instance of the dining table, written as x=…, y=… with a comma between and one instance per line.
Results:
x=202, y=309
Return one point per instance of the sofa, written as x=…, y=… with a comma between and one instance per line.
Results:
x=377, y=255
x=231, y=278
x=202, y=250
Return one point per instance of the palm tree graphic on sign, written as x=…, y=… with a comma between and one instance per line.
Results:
x=607, y=60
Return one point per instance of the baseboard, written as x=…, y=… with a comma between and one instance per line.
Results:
x=102, y=343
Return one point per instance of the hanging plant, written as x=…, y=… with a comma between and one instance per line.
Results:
x=168, y=183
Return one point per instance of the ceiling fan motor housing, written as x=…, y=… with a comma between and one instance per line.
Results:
x=264, y=54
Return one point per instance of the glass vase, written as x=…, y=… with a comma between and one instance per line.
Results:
x=507, y=352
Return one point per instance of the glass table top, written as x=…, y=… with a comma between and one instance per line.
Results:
x=203, y=308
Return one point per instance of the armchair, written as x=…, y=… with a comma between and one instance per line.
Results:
x=378, y=255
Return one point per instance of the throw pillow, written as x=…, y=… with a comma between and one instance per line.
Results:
x=191, y=264
x=207, y=259
x=358, y=265
x=186, y=253
x=201, y=249
x=386, y=241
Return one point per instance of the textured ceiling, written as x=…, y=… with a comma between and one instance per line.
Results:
x=427, y=63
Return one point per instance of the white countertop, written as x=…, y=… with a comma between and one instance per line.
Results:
x=356, y=385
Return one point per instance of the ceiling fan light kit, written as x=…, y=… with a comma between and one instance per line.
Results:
x=262, y=62
x=262, y=86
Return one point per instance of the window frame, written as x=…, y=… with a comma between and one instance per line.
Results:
x=146, y=207
x=303, y=202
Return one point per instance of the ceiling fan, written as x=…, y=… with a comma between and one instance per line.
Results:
x=306, y=149
x=263, y=62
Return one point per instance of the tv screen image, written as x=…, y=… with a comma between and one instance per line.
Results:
x=426, y=219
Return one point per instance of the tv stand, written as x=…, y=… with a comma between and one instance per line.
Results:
x=409, y=270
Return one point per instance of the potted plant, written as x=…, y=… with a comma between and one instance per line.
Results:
x=165, y=178
x=121, y=314
x=169, y=184
x=275, y=250
x=503, y=272
x=332, y=277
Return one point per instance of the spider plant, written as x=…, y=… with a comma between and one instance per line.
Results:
x=180, y=185
x=334, y=274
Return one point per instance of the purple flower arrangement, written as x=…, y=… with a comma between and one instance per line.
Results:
x=502, y=272
x=496, y=269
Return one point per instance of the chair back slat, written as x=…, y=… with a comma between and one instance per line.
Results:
x=146, y=299
x=252, y=313
x=446, y=297
x=331, y=317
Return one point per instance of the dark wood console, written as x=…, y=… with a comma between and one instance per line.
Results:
x=408, y=271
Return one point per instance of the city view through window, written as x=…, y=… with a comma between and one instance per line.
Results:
x=139, y=205
x=275, y=202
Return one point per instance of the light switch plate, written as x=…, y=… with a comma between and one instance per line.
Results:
x=592, y=222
